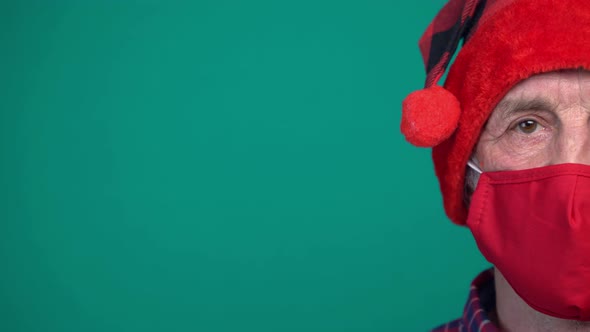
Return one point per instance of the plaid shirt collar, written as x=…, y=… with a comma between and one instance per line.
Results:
x=480, y=302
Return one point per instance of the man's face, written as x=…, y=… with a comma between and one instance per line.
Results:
x=543, y=120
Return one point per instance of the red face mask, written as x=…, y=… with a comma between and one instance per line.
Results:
x=534, y=226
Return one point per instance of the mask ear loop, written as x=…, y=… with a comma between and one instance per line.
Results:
x=474, y=166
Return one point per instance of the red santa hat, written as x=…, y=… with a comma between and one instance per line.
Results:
x=504, y=42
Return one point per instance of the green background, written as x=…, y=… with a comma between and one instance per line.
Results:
x=219, y=166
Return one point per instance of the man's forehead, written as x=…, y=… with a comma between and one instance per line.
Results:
x=547, y=91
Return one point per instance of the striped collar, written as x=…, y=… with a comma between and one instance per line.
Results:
x=481, y=301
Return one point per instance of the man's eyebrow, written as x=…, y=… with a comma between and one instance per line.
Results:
x=510, y=106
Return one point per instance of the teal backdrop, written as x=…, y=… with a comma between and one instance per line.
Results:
x=219, y=166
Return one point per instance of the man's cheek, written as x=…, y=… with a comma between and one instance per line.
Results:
x=502, y=158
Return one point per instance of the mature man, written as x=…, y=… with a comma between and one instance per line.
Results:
x=510, y=133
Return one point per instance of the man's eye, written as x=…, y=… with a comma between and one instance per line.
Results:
x=528, y=126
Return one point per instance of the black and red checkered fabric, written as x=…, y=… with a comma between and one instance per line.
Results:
x=441, y=39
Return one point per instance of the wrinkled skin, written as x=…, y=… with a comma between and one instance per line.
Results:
x=544, y=120
x=560, y=127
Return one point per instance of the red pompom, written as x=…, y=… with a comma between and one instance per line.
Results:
x=429, y=116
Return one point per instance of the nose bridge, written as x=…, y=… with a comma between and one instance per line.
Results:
x=574, y=142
